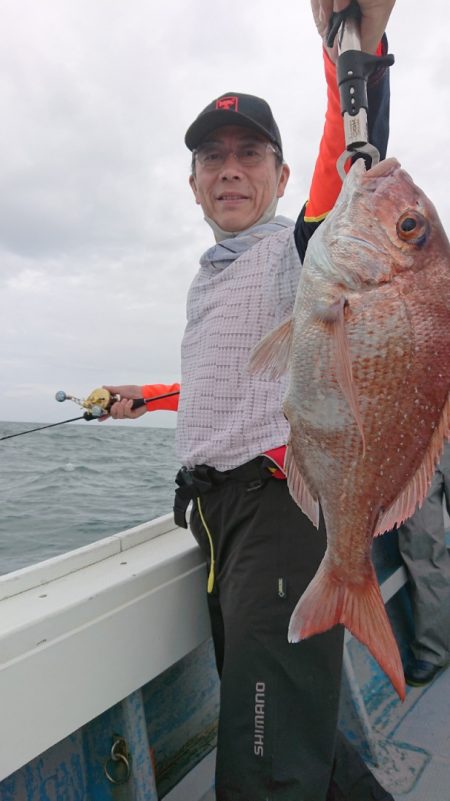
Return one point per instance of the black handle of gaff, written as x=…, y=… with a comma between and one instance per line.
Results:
x=353, y=68
x=338, y=19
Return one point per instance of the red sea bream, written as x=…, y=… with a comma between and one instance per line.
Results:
x=368, y=352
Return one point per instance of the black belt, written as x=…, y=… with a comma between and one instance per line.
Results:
x=202, y=478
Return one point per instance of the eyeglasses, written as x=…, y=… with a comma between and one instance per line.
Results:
x=212, y=156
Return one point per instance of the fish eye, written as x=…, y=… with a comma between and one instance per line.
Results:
x=408, y=224
x=413, y=227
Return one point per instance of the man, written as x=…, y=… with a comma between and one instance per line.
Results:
x=277, y=734
x=421, y=540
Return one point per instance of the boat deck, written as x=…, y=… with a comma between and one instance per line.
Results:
x=425, y=728
x=405, y=744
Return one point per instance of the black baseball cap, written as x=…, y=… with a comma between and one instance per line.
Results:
x=234, y=108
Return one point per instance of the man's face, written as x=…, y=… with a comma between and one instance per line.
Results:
x=233, y=195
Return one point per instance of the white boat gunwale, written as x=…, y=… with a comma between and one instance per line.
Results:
x=103, y=621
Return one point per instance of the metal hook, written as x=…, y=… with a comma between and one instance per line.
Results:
x=366, y=151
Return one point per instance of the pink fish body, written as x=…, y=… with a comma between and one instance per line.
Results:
x=368, y=351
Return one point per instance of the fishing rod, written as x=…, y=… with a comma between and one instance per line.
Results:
x=30, y=430
x=97, y=405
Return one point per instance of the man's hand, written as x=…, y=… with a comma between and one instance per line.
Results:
x=375, y=16
x=122, y=408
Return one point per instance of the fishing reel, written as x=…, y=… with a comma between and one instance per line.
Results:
x=97, y=404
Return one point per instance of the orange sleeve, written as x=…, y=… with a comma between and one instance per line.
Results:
x=153, y=390
x=326, y=183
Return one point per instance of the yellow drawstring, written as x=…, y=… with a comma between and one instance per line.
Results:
x=210, y=584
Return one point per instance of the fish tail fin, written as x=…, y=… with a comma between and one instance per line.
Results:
x=359, y=607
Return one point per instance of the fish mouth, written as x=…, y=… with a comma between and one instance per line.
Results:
x=384, y=168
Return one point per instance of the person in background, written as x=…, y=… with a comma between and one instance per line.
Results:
x=278, y=737
x=423, y=549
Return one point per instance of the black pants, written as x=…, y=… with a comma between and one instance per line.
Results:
x=278, y=738
x=277, y=734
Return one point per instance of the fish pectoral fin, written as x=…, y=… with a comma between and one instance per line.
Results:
x=334, y=316
x=416, y=489
x=272, y=354
x=298, y=489
x=330, y=599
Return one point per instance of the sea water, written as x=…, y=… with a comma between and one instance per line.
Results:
x=65, y=487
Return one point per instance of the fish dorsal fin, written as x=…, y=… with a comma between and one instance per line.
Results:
x=272, y=354
x=298, y=489
x=334, y=316
x=416, y=489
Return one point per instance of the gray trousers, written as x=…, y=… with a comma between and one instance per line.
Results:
x=422, y=546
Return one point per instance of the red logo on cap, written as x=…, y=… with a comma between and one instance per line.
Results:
x=227, y=103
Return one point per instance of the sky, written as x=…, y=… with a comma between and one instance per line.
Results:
x=99, y=233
